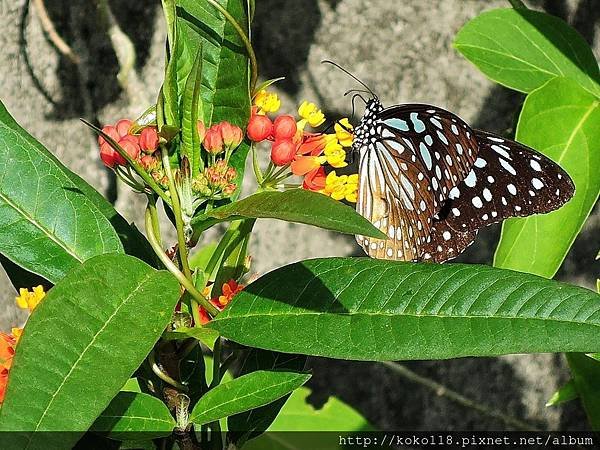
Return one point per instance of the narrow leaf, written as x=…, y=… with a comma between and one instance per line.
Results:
x=254, y=422
x=244, y=393
x=190, y=146
x=74, y=357
x=364, y=309
x=132, y=415
x=47, y=223
x=297, y=205
x=203, y=334
x=562, y=121
x=523, y=49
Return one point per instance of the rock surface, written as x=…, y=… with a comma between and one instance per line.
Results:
x=403, y=50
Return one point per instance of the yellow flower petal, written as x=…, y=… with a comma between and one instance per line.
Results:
x=267, y=102
x=344, y=136
x=311, y=113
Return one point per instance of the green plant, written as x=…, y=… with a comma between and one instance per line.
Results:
x=106, y=352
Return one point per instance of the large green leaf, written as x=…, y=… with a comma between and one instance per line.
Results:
x=80, y=345
x=523, y=49
x=300, y=416
x=47, y=224
x=132, y=415
x=296, y=205
x=225, y=76
x=246, y=392
x=586, y=376
x=359, y=308
x=251, y=423
x=562, y=121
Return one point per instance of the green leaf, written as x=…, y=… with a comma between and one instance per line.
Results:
x=225, y=76
x=244, y=393
x=586, y=375
x=523, y=49
x=299, y=415
x=203, y=334
x=565, y=394
x=365, y=309
x=251, y=423
x=132, y=415
x=190, y=146
x=562, y=121
x=297, y=205
x=47, y=224
x=80, y=345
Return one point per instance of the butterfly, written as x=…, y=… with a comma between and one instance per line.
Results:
x=429, y=181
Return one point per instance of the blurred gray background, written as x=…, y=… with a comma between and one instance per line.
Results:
x=403, y=49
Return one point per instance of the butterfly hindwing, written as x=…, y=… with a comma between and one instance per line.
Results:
x=508, y=179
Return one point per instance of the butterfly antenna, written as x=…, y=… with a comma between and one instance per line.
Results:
x=354, y=105
x=347, y=72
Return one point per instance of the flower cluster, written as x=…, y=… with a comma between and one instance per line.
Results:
x=305, y=153
x=217, y=179
x=228, y=291
x=25, y=300
x=139, y=147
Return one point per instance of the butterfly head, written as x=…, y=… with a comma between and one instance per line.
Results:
x=362, y=132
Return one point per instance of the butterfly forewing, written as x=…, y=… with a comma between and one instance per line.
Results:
x=411, y=156
x=508, y=179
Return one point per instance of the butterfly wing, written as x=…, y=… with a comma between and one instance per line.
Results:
x=411, y=156
x=508, y=179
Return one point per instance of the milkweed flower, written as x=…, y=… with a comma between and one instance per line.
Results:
x=228, y=291
x=266, y=102
x=8, y=343
x=343, y=187
x=311, y=114
x=335, y=154
x=232, y=135
x=343, y=132
x=30, y=299
x=315, y=180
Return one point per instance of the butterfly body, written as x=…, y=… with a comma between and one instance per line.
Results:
x=430, y=182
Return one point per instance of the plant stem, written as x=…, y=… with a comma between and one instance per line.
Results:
x=517, y=4
x=443, y=391
x=216, y=378
x=155, y=221
x=245, y=40
x=217, y=255
x=176, y=205
x=171, y=267
x=162, y=375
x=255, y=165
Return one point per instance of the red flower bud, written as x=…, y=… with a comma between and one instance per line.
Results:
x=284, y=127
x=111, y=131
x=231, y=134
x=213, y=141
x=130, y=144
x=201, y=130
x=110, y=157
x=148, y=140
x=283, y=152
x=123, y=127
x=259, y=128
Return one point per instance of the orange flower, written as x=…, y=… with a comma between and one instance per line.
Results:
x=228, y=291
x=7, y=349
x=315, y=180
x=305, y=164
x=313, y=144
x=3, y=382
